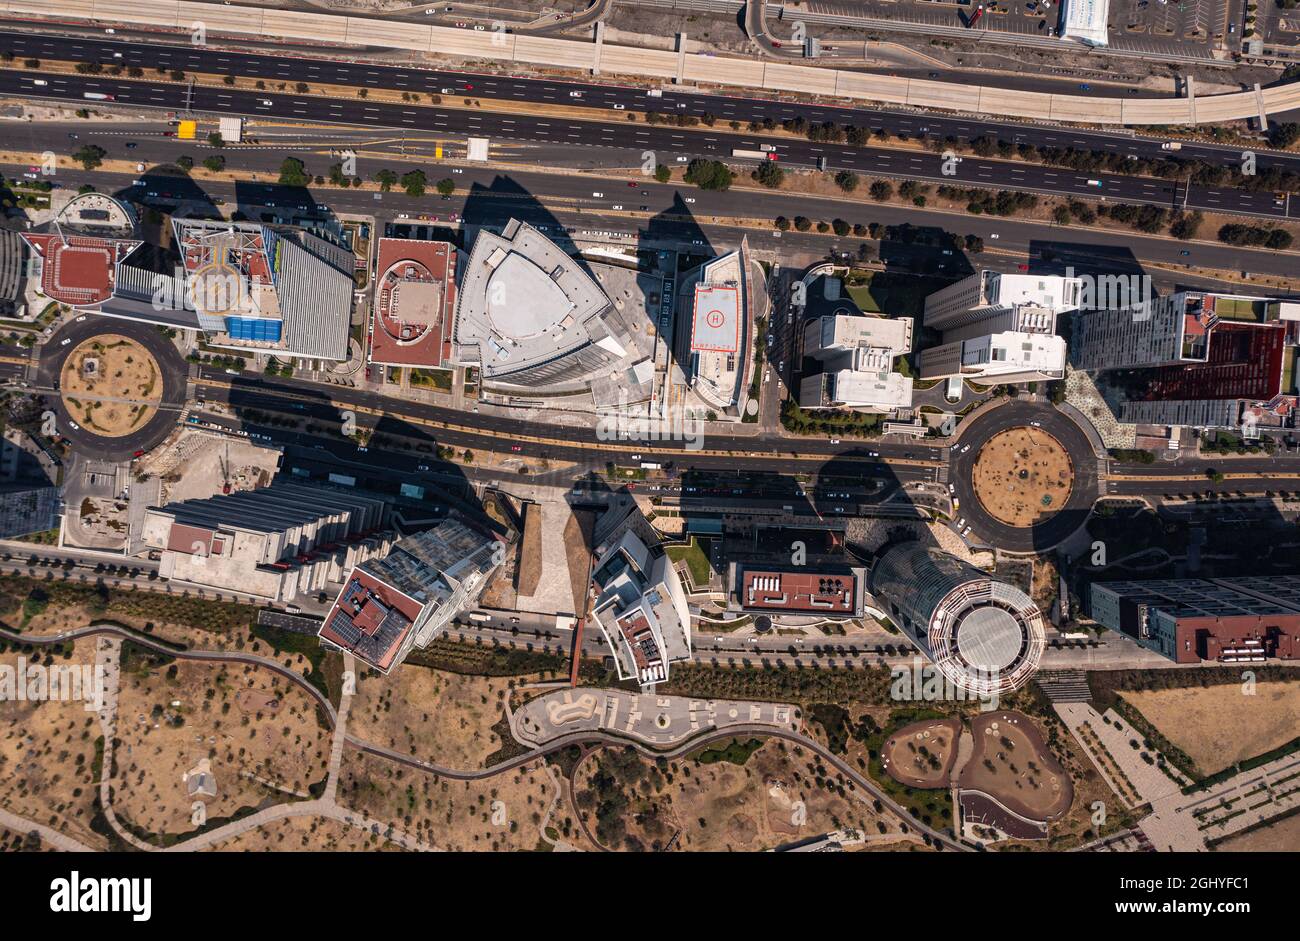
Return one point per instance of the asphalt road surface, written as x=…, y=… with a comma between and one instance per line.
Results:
x=664, y=141
x=159, y=425
x=281, y=67
x=1056, y=528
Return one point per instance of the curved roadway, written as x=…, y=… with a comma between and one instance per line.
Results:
x=975, y=433
x=170, y=365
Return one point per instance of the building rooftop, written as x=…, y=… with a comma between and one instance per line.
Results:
x=267, y=288
x=801, y=592
x=530, y=314
x=415, y=298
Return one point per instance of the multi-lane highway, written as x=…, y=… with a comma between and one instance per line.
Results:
x=664, y=141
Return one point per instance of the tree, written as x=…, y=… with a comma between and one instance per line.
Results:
x=446, y=186
x=90, y=156
x=841, y=227
x=185, y=162
x=769, y=174
x=216, y=140
x=881, y=190
x=846, y=180
x=386, y=179
x=1282, y=136
x=782, y=223
x=709, y=174
x=337, y=177
x=663, y=173
x=293, y=172
x=414, y=183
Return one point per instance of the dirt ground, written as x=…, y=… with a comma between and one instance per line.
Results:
x=501, y=813
x=922, y=754
x=243, y=719
x=1012, y=764
x=306, y=834
x=780, y=795
x=1280, y=837
x=441, y=717
x=1022, y=475
x=48, y=758
x=123, y=370
x=1217, y=726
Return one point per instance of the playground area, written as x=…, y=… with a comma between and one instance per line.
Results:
x=922, y=754
x=1012, y=764
x=1023, y=476
x=110, y=385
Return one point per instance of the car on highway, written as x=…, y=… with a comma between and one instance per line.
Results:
x=961, y=522
x=835, y=440
x=598, y=195
x=1184, y=252
x=66, y=342
x=1085, y=87
x=620, y=107
x=515, y=447
x=690, y=199
x=617, y=208
x=73, y=425
x=575, y=94
x=964, y=450
x=993, y=235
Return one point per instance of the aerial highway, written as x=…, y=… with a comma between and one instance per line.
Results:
x=663, y=140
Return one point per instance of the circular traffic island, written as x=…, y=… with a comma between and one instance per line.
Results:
x=110, y=385
x=119, y=386
x=1023, y=476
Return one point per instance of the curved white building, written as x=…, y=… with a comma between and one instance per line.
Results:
x=983, y=634
x=527, y=314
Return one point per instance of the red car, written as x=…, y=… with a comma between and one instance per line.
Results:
x=515, y=447
x=1023, y=267
x=632, y=183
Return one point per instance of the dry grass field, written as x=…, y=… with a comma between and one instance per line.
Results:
x=502, y=813
x=306, y=835
x=781, y=794
x=49, y=758
x=1217, y=726
x=1022, y=475
x=119, y=394
x=442, y=717
x=1280, y=837
x=245, y=720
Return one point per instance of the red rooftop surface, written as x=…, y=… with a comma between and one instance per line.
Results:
x=78, y=270
x=415, y=296
x=800, y=592
x=1244, y=360
x=370, y=618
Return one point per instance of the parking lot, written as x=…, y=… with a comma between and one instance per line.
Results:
x=1166, y=27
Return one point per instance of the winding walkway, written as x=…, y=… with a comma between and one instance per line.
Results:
x=325, y=806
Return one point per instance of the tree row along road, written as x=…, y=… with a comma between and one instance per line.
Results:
x=283, y=66
x=556, y=745
x=663, y=141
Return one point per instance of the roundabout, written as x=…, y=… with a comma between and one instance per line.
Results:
x=1026, y=476
x=119, y=386
x=1022, y=476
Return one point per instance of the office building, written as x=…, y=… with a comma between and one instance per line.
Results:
x=1232, y=620
x=984, y=635
x=404, y=599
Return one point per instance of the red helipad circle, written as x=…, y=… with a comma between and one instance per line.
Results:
x=715, y=318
